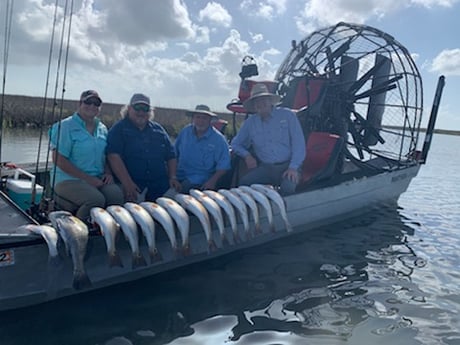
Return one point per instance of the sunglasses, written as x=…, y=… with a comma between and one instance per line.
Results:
x=141, y=107
x=93, y=101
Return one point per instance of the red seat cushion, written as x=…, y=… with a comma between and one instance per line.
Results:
x=321, y=148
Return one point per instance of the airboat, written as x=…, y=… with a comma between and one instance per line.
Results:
x=359, y=97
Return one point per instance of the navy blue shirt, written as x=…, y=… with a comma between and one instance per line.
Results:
x=145, y=154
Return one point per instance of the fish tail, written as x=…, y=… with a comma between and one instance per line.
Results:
x=224, y=240
x=115, y=260
x=211, y=246
x=54, y=261
x=138, y=260
x=186, y=251
x=81, y=281
x=155, y=255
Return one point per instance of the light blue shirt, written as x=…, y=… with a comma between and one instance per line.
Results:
x=278, y=138
x=85, y=151
x=199, y=158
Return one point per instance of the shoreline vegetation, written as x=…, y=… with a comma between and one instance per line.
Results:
x=27, y=111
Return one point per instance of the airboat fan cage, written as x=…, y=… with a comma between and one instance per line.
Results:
x=358, y=82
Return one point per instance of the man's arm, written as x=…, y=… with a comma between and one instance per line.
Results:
x=119, y=169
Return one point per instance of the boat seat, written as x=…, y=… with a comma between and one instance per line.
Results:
x=322, y=152
x=305, y=92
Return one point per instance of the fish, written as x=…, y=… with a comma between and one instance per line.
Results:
x=147, y=225
x=109, y=230
x=228, y=209
x=214, y=209
x=181, y=218
x=51, y=237
x=273, y=195
x=240, y=206
x=247, y=198
x=53, y=216
x=263, y=201
x=191, y=204
x=162, y=216
x=75, y=233
x=129, y=228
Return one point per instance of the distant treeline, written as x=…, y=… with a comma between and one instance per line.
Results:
x=26, y=111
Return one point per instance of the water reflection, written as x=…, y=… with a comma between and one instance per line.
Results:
x=321, y=286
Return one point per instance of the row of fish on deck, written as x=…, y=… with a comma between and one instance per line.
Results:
x=170, y=214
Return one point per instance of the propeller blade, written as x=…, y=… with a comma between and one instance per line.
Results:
x=348, y=71
x=366, y=76
x=376, y=106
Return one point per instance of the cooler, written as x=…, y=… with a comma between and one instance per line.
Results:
x=20, y=190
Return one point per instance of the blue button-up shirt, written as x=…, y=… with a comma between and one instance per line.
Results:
x=199, y=158
x=145, y=154
x=278, y=138
x=83, y=149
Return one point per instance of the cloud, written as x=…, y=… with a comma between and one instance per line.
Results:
x=256, y=37
x=447, y=62
x=315, y=14
x=217, y=14
x=141, y=21
x=267, y=9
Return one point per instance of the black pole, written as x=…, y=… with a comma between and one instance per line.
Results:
x=433, y=115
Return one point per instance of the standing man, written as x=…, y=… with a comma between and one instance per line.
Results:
x=202, y=152
x=271, y=142
x=140, y=152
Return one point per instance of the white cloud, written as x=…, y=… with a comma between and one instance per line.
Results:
x=256, y=37
x=217, y=14
x=268, y=9
x=447, y=62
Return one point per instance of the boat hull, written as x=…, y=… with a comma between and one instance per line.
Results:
x=31, y=279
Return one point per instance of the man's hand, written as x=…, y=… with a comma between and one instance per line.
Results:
x=292, y=175
x=250, y=161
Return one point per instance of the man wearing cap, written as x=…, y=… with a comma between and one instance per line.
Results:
x=140, y=152
x=271, y=142
x=81, y=176
x=202, y=152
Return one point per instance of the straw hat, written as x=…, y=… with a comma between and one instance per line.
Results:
x=201, y=109
x=259, y=90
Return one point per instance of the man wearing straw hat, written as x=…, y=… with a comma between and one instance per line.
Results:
x=271, y=142
x=202, y=152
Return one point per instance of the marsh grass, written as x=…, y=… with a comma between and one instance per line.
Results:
x=26, y=111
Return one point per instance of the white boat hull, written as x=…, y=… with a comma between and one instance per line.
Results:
x=28, y=278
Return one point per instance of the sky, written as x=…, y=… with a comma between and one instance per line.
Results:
x=183, y=53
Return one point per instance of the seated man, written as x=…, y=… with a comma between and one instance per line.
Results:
x=275, y=137
x=141, y=153
x=202, y=152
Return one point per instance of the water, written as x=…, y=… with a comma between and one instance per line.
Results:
x=390, y=277
x=22, y=145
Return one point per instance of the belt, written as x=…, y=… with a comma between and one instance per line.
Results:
x=280, y=163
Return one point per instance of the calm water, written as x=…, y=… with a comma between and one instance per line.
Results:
x=390, y=277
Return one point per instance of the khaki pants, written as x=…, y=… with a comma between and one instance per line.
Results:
x=266, y=173
x=79, y=197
